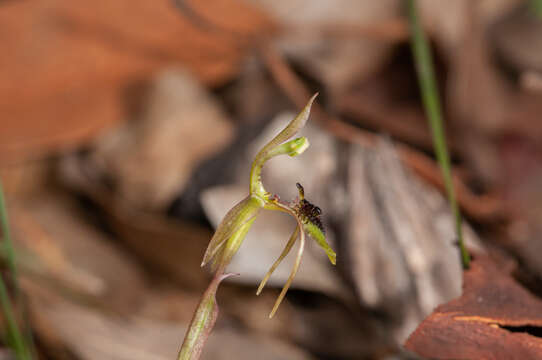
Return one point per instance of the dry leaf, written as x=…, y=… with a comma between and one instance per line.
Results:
x=73, y=254
x=495, y=318
x=66, y=66
x=400, y=248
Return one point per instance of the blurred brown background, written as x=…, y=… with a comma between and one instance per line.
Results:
x=127, y=129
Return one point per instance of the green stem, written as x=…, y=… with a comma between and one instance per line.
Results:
x=291, y=148
x=8, y=244
x=430, y=97
x=203, y=321
x=536, y=7
x=15, y=337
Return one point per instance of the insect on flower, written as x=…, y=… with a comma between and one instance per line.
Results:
x=308, y=212
x=308, y=220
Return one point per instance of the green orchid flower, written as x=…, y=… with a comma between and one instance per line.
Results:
x=232, y=230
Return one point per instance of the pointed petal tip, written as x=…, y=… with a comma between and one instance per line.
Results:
x=261, y=286
x=333, y=258
x=311, y=100
x=227, y=275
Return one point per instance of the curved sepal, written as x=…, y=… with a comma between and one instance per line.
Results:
x=236, y=222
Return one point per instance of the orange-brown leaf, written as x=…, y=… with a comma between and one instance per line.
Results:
x=495, y=318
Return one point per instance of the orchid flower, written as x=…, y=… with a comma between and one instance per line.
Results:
x=232, y=230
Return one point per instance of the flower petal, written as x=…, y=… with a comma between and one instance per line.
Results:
x=318, y=235
x=285, y=252
x=244, y=212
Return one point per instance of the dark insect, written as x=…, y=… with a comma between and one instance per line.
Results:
x=307, y=211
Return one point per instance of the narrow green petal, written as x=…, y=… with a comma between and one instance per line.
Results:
x=293, y=127
x=274, y=148
x=285, y=252
x=292, y=274
x=320, y=238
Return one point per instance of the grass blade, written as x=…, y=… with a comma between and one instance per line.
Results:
x=430, y=97
x=536, y=7
x=14, y=336
x=7, y=243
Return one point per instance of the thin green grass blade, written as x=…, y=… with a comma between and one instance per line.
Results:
x=15, y=338
x=430, y=97
x=536, y=7
x=7, y=243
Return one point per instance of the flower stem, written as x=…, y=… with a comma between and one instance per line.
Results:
x=203, y=321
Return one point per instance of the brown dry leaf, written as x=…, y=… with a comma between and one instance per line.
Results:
x=66, y=65
x=495, y=122
x=6, y=354
x=495, y=318
x=168, y=247
x=446, y=20
x=399, y=251
x=173, y=248
x=387, y=101
x=150, y=160
x=66, y=251
x=337, y=61
x=478, y=98
x=69, y=328
x=517, y=39
x=521, y=161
